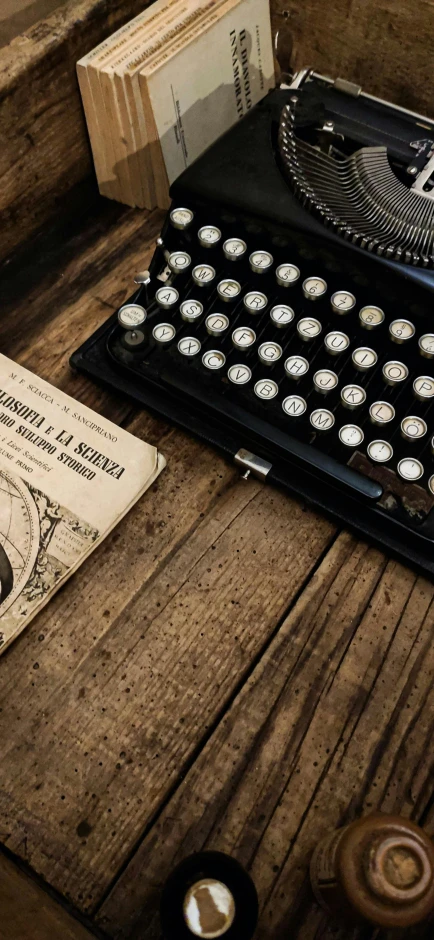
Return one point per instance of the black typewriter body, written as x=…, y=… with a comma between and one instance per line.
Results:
x=305, y=349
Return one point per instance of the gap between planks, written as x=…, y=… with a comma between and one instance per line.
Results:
x=30, y=912
x=215, y=724
x=336, y=720
x=179, y=655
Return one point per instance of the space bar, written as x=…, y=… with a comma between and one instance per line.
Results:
x=303, y=453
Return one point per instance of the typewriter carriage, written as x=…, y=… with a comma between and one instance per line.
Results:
x=377, y=195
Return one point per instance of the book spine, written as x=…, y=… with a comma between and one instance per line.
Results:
x=119, y=168
x=93, y=98
x=93, y=129
x=123, y=35
x=139, y=160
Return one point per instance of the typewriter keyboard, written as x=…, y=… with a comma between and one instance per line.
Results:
x=325, y=365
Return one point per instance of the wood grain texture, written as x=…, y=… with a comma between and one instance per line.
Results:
x=18, y=15
x=29, y=913
x=111, y=725
x=386, y=47
x=336, y=720
x=112, y=690
x=45, y=149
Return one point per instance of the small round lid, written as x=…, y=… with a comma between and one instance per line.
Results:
x=209, y=909
x=398, y=869
x=386, y=867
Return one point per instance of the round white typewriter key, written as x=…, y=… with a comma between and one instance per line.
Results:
x=189, y=346
x=287, y=274
x=426, y=345
x=381, y=412
x=243, y=337
x=163, y=332
x=266, y=388
x=131, y=315
x=401, y=330
x=394, y=372
x=181, y=218
x=269, y=352
x=325, y=381
x=423, y=387
x=209, y=235
x=216, y=324
x=364, y=358
x=351, y=435
x=380, y=451
x=296, y=367
x=342, y=301
x=336, y=343
x=239, y=374
x=254, y=302
x=179, y=261
x=352, y=396
x=260, y=261
x=234, y=248
x=410, y=469
x=228, y=290
x=281, y=315
x=308, y=328
x=413, y=428
x=294, y=406
x=213, y=359
x=431, y=485
x=191, y=310
x=203, y=274
x=166, y=297
x=371, y=317
x=314, y=287
x=322, y=420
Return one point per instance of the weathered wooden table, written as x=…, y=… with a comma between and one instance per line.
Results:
x=228, y=670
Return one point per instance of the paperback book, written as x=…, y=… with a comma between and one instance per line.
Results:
x=166, y=85
x=67, y=476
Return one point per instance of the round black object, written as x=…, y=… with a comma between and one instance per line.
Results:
x=201, y=868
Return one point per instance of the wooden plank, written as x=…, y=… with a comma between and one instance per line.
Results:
x=132, y=671
x=336, y=720
x=45, y=150
x=27, y=911
x=18, y=15
x=385, y=47
x=81, y=685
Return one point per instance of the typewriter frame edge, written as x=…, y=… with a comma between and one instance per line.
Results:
x=302, y=75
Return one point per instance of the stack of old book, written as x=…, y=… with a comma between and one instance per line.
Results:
x=166, y=85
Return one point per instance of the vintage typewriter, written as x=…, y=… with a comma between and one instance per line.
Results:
x=288, y=314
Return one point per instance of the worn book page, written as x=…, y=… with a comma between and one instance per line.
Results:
x=200, y=89
x=67, y=476
x=197, y=20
